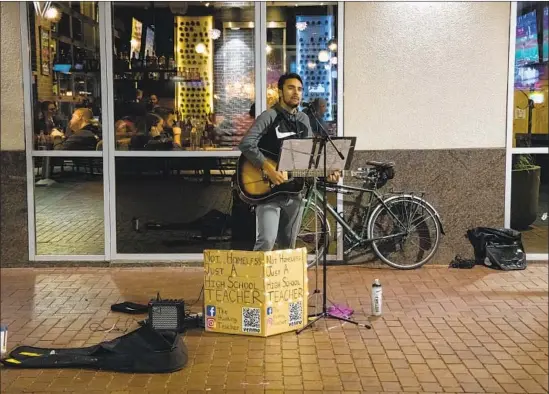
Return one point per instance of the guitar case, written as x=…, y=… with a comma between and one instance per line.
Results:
x=144, y=350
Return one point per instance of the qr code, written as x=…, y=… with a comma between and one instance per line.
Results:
x=251, y=320
x=296, y=313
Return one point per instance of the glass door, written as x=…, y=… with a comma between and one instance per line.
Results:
x=527, y=191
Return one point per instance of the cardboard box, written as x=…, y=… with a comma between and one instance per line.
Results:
x=255, y=293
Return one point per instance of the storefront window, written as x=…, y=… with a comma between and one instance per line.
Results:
x=531, y=115
x=303, y=39
x=64, y=42
x=184, y=75
x=68, y=205
x=530, y=200
x=530, y=139
x=179, y=205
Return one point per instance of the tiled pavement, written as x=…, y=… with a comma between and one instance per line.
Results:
x=70, y=215
x=69, y=218
x=442, y=330
x=535, y=239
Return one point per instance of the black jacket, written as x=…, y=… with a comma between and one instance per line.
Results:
x=264, y=139
x=84, y=139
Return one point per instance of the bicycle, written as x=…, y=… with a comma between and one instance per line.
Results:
x=389, y=223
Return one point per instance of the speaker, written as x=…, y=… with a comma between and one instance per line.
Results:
x=167, y=315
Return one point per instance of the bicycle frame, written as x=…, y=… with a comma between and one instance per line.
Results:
x=352, y=235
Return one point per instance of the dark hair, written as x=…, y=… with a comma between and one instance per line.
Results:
x=316, y=103
x=163, y=112
x=252, y=111
x=285, y=77
x=44, y=105
x=86, y=113
x=151, y=120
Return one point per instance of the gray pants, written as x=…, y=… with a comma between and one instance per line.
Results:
x=278, y=221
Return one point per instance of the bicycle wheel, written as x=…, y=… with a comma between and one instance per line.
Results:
x=418, y=226
x=310, y=233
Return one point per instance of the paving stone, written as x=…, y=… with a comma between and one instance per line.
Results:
x=472, y=348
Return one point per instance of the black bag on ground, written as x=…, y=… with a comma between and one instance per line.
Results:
x=498, y=248
x=141, y=351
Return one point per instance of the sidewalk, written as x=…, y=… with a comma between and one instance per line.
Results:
x=442, y=330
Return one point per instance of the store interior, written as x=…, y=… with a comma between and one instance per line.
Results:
x=183, y=80
x=531, y=115
x=183, y=73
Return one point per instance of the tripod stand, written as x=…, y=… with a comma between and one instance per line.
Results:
x=324, y=139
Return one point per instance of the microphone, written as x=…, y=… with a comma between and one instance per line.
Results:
x=309, y=106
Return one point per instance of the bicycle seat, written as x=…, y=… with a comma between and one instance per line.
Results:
x=381, y=164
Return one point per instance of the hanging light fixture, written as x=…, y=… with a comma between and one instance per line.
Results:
x=332, y=45
x=53, y=15
x=45, y=10
x=40, y=7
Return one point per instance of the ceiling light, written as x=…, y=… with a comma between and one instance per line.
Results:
x=53, y=15
x=301, y=26
x=214, y=34
x=200, y=48
x=323, y=56
x=536, y=97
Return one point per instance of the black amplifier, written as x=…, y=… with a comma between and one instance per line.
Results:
x=167, y=315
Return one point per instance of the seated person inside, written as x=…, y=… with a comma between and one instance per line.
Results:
x=85, y=133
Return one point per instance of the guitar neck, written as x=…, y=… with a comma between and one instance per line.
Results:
x=314, y=173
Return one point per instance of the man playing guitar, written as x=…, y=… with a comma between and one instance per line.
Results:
x=279, y=218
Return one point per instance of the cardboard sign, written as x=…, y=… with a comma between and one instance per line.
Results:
x=255, y=293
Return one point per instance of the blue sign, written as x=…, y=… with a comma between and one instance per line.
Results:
x=210, y=310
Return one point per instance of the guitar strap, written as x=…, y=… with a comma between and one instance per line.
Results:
x=291, y=125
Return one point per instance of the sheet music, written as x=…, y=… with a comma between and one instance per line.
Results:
x=296, y=154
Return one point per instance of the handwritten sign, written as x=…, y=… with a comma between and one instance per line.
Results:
x=255, y=293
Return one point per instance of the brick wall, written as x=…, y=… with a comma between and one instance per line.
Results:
x=234, y=67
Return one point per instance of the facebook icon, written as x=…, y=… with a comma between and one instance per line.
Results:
x=210, y=310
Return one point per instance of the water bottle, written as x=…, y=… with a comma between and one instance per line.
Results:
x=3, y=340
x=376, y=298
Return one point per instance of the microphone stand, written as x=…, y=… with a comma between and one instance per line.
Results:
x=325, y=138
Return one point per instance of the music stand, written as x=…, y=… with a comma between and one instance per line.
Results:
x=305, y=155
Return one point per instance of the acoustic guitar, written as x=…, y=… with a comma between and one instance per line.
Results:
x=254, y=186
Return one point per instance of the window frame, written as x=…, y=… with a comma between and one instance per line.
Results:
x=109, y=153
